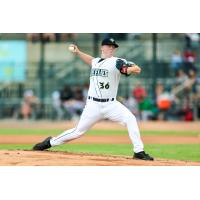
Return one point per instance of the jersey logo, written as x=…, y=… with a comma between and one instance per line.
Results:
x=99, y=72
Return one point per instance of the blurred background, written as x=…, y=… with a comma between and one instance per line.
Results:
x=41, y=79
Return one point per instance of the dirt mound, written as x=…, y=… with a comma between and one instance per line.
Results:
x=49, y=158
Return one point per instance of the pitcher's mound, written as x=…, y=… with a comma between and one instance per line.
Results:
x=51, y=158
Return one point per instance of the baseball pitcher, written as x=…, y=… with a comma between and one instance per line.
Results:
x=101, y=102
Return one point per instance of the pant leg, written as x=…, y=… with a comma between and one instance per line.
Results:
x=91, y=114
x=119, y=113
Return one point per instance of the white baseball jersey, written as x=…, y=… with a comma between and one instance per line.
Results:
x=104, y=77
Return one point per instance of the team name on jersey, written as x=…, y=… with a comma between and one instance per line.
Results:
x=99, y=72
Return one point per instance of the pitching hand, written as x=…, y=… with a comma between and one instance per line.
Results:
x=73, y=48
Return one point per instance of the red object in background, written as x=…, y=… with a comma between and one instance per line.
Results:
x=188, y=115
x=164, y=104
x=189, y=56
x=139, y=93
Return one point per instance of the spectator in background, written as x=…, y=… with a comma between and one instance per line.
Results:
x=48, y=37
x=189, y=106
x=159, y=89
x=189, y=56
x=26, y=109
x=29, y=105
x=146, y=107
x=69, y=36
x=66, y=94
x=181, y=77
x=78, y=103
x=186, y=112
x=66, y=97
x=189, y=59
x=176, y=60
x=139, y=92
x=33, y=37
x=193, y=81
x=143, y=101
x=164, y=100
x=57, y=106
x=72, y=101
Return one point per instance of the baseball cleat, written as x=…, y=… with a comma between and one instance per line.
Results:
x=142, y=156
x=43, y=145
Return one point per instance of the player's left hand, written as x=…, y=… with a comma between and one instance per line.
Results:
x=133, y=69
x=136, y=69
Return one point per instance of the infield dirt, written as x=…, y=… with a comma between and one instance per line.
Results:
x=47, y=158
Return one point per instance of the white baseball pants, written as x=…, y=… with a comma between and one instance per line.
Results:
x=96, y=111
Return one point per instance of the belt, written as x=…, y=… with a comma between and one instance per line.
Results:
x=100, y=100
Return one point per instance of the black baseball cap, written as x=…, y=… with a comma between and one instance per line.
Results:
x=109, y=41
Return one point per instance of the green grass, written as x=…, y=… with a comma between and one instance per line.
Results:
x=190, y=152
x=15, y=147
x=93, y=132
x=29, y=132
x=175, y=151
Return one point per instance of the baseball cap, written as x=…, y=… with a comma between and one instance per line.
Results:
x=109, y=41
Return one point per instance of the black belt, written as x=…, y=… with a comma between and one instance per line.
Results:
x=100, y=100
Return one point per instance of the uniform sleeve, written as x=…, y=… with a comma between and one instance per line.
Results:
x=120, y=62
x=121, y=65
